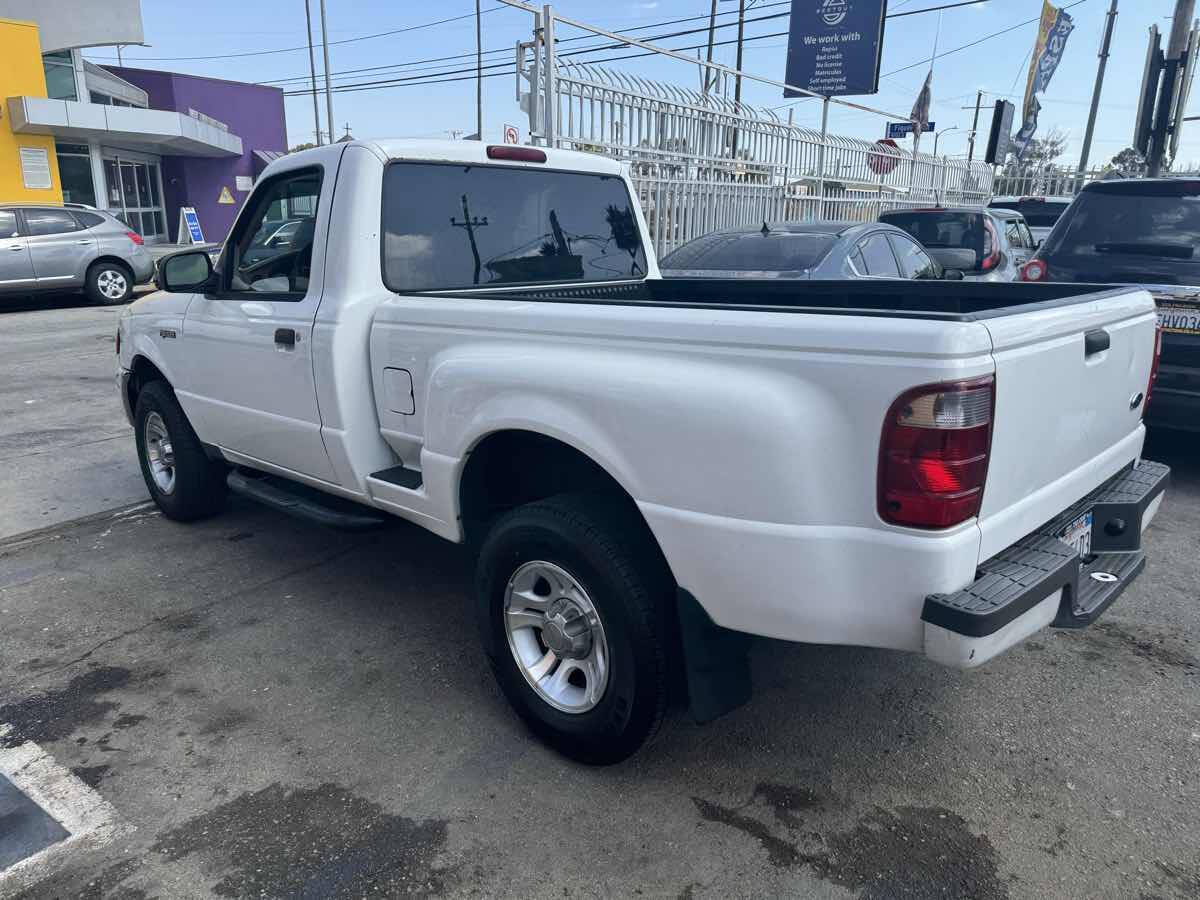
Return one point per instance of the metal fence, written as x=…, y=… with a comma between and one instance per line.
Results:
x=701, y=162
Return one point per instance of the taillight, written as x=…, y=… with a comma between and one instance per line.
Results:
x=1035, y=270
x=135, y=237
x=991, y=247
x=1158, y=333
x=933, y=456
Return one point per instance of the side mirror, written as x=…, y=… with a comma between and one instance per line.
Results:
x=1038, y=245
x=184, y=272
x=953, y=275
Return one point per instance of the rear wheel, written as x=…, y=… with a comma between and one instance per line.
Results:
x=572, y=609
x=109, y=283
x=182, y=480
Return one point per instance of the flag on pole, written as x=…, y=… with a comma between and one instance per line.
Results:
x=920, y=111
x=1053, y=30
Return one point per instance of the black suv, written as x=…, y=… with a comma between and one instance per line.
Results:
x=1140, y=231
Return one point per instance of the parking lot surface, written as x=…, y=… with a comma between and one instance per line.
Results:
x=274, y=709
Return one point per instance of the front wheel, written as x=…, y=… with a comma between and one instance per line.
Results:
x=572, y=606
x=182, y=480
x=109, y=283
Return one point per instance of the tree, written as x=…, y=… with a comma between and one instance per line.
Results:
x=1128, y=162
x=1041, y=152
x=300, y=147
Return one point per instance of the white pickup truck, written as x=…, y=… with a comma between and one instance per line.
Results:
x=476, y=339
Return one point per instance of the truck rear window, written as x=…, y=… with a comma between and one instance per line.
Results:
x=459, y=226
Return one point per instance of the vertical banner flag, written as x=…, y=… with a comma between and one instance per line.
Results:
x=920, y=111
x=1053, y=30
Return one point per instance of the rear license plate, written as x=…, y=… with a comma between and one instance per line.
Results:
x=1180, y=319
x=1079, y=534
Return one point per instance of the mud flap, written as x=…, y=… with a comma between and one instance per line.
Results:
x=716, y=662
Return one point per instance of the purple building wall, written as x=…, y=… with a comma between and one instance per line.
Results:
x=253, y=112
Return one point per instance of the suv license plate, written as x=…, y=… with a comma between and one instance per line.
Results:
x=1079, y=534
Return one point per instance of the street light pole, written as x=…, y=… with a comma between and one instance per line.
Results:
x=312, y=70
x=328, y=89
x=938, y=134
x=479, y=74
x=1176, y=48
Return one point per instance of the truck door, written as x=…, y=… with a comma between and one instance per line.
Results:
x=248, y=374
x=16, y=269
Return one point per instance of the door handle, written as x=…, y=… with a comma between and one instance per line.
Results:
x=83, y=242
x=1096, y=342
x=16, y=247
x=285, y=336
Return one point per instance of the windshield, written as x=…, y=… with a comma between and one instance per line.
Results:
x=1152, y=225
x=777, y=251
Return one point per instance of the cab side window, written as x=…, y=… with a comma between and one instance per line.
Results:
x=8, y=224
x=271, y=249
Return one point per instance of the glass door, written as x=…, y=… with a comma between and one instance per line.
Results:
x=133, y=196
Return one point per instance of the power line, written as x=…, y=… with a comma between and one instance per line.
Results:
x=917, y=12
x=986, y=37
x=509, y=49
x=364, y=37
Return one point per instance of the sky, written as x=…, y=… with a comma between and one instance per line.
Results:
x=998, y=65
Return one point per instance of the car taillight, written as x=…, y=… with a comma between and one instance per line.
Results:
x=1158, y=333
x=991, y=247
x=1035, y=270
x=135, y=237
x=933, y=456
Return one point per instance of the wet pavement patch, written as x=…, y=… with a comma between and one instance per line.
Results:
x=90, y=775
x=311, y=842
x=55, y=715
x=916, y=853
x=25, y=828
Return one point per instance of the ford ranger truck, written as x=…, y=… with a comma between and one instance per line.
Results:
x=477, y=339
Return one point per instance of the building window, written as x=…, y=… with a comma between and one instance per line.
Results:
x=60, y=75
x=75, y=173
x=106, y=100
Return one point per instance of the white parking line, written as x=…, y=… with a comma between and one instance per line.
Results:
x=89, y=819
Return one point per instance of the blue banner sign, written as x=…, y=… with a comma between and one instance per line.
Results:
x=834, y=47
x=897, y=130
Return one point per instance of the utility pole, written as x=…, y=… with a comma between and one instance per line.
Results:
x=470, y=223
x=975, y=122
x=712, y=27
x=1105, y=43
x=1176, y=50
x=479, y=74
x=312, y=70
x=328, y=89
x=737, y=85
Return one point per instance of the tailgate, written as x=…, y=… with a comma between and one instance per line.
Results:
x=1068, y=408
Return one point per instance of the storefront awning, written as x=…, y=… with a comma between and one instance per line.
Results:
x=263, y=158
x=157, y=131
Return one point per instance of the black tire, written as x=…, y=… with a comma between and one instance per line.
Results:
x=603, y=546
x=101, y=279
x=198, y=488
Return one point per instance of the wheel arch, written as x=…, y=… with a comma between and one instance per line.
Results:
x=143, y=371
x=546, y=465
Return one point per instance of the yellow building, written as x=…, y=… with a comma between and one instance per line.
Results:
x=28, y=162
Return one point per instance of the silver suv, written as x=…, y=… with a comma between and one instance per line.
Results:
x=57, y=248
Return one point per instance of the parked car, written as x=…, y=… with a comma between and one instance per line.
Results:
x=477, y=339
x=986, y=244
x=1040, y=213
x=1140, y=231
x=56, y=248
x=812, y=250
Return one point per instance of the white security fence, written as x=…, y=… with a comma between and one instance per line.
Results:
x=701, y=162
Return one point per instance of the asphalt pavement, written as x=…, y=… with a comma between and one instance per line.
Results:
x=268, y=708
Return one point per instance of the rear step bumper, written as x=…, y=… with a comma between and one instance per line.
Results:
x=1041, y=581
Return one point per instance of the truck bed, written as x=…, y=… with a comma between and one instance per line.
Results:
x=962, y=301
